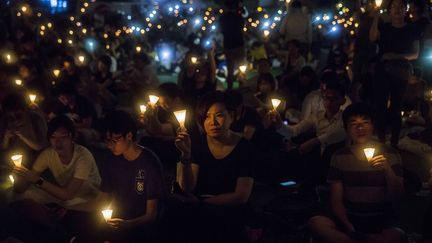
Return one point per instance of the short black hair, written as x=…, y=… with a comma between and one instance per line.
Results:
x=267, y=77
x=170, y=90
x=356, y=109
x=106, y=60
x=328, y=76
x=336, y=86
x=206, y=101
x=296, y=4
x=58, y=122
x=390, y=3
x=14, y=102
x=234, y=99
x=120, y=122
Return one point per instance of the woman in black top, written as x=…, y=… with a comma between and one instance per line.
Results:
x=398, y=44
x=218, y=170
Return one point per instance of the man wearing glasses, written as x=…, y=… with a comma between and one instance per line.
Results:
x=132, y=186
x=76, y=178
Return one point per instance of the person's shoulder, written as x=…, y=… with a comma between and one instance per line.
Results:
x=313, y=94
x=46, y=153
x=82, y=151
x=389, y=150
x=147, y=156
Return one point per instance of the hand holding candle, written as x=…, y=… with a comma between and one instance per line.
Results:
x=17, y=159
x=181, y=117
x=275, y=103
x=32, y=98
x=143, y=109
x=153, y=99
x=243, y=69
x=107, y=214
x=369, y=153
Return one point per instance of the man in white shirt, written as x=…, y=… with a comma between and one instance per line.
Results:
x=327, y=124
x=73, y=167
x=314, y=101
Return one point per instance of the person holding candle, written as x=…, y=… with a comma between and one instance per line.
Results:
x=21, y=128
x=221, y=154
x=393, y=69
x=44, y=202
x=132, y=187
x=361, y=191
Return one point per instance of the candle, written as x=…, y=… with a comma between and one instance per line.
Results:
x=17, y=159
x=18, y=82
x=266, y=33
x=378, y=3
x=243, y=68
x=194, y=60
x=81, y=58
x=153, y=99
x=12, y=179
x=143, y=109
x=181, y=117
x=56, y=72
x=369, y=153
x=107, y=214
x=32, y=98
x=138, y=49
x=402, y=113
x=275, y=103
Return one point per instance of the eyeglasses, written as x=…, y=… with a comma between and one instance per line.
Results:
x=113, y=140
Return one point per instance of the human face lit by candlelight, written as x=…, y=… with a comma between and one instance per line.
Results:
x=360, y=129
x=217, y=121
x=61, y=141
x=397, y=9
x=117, y=143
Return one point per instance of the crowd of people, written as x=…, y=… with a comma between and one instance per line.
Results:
x=101, y=132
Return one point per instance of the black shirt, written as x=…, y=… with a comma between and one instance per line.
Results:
x=396, y=40
x=218, y=176
x=231, y=24
x=248, y=117
x=132, y=183
x=83, y=109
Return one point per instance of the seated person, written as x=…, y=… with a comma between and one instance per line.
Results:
x=327, y=124
x=245, y=119
x=20, y=128
x=76, y=180
x=221, y=154
x=427, y=232
x=313, y=102
x=361, y=191
x=133, y=187
x=79, y=109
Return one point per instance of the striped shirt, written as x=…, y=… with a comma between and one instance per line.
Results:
x=364, y=187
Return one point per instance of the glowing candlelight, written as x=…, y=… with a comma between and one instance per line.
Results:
x=18, y=82
x=17, y=159
x=143, y=109
x=181, y=117
x=153, y=99
x=12, y=179
x=107, y=214
x=243, y=68
x=369, y=153
x=402, y=113
x=56, y=72
x=194, y=60
x=275, y=103
x=8, y=58
x=378, y=3
x=266, y=33
x=32, y=98
x=138, y=49
x=81, y=58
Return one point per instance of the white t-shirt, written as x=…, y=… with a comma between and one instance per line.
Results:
x=82, y=166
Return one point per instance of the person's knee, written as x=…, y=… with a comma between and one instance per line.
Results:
x=318, y=222
x=395, y=235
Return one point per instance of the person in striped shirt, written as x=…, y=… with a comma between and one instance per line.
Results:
x=361, y=190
